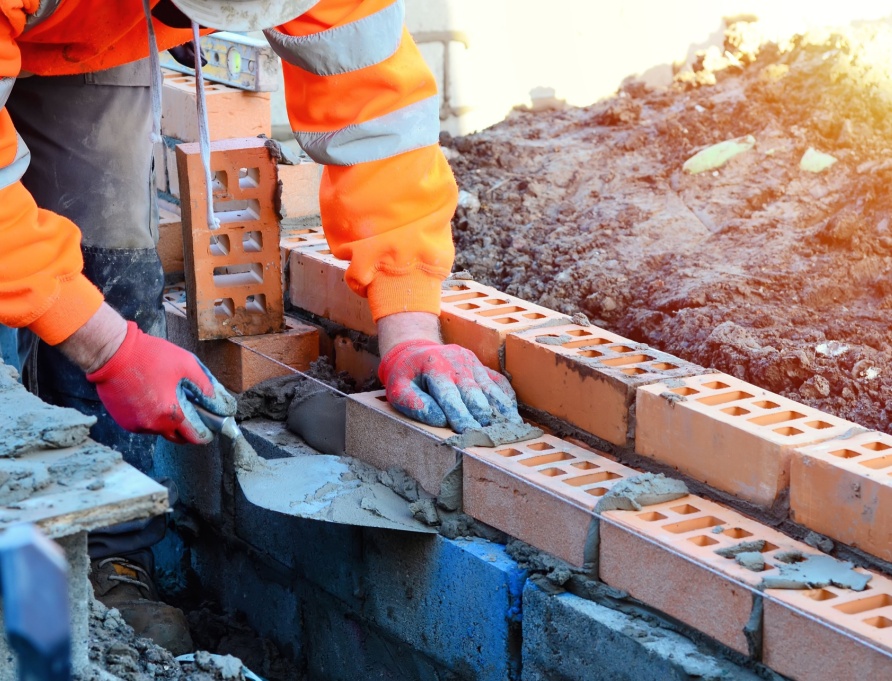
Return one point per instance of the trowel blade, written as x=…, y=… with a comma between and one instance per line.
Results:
x=322, y=487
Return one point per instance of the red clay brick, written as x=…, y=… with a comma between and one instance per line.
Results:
x=843, y=488
x=170, y=238
x=231, y=112
x=479, y=317
x=299, y=196
x=317, y=284
x=241, y=363
x=541, y=491
x=683, y=587
x=233, y=274
x=587, y=376
x=356, y=361
x=380, y=436
x=732, y=435
x=801, y=648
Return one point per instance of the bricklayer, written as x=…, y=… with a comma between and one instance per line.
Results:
x=732, y=435
x=843, y=488
x=587, y=376
x=541, y=491
x=233, y=273
x=479, y=318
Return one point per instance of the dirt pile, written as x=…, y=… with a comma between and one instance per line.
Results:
x=774, y=274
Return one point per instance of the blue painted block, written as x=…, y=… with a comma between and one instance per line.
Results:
x=572, y=639
x=327, y=555
x=456, y=601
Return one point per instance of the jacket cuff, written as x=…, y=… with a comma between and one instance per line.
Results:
x=415, y=291
x=78, y=300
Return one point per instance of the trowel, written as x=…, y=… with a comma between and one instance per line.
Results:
x=315, y=486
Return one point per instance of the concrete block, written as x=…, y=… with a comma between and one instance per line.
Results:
x=342, y=646
x=569, y=638
x=233, y=273
x=242, y=362
x=383, y=438
x=198, y=474
x=800, y=643
x=587, y=376
x=696, y=588
x=231, y=112
x=480, y=317
x=170, y=238
x=327, y=555
x=732, y=435
x=317, y=284
x=457, y=601
x=299, y=196
x=542, y=491
x=842, y=488
x=270, y=599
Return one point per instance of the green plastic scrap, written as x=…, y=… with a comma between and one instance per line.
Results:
x=718, y=154
x=816, y=161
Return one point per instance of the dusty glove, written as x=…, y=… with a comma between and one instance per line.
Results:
x=143, y=387
x=445, y=384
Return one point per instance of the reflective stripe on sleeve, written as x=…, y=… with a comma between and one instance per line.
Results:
x=13, y=172
x=346, y=48
x=412, y=127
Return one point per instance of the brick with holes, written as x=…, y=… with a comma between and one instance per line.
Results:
x=479, y=318
x=587, y=376
x=843, y=488
x=665, y=555
x=240, y=363
x=317, y=284
x=233, y=273
x=800, y=647
x=727, y=433
x=232, y=113
x=541, y=491
x=380, y=436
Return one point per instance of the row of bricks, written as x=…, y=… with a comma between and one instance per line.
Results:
x=544, y=492
x=713, y=427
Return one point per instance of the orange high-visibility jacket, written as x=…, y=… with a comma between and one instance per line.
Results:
x=360, y=100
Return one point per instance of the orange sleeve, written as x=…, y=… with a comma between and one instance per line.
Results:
x=41, y=281
x=362, y=101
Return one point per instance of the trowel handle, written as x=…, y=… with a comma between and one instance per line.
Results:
x=219, y=424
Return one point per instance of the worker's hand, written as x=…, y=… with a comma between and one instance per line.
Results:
x=445, y=384
x=143, y=386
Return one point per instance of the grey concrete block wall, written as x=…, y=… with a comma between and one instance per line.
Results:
x=568, y=638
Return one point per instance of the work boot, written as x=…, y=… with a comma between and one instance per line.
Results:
x=123, y=584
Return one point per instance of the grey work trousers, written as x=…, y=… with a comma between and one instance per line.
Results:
x=91, y=161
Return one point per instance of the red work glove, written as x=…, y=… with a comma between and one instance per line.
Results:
x=445, y=384
x=143, y=387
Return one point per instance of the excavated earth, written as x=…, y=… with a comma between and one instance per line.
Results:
x=776, y=275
